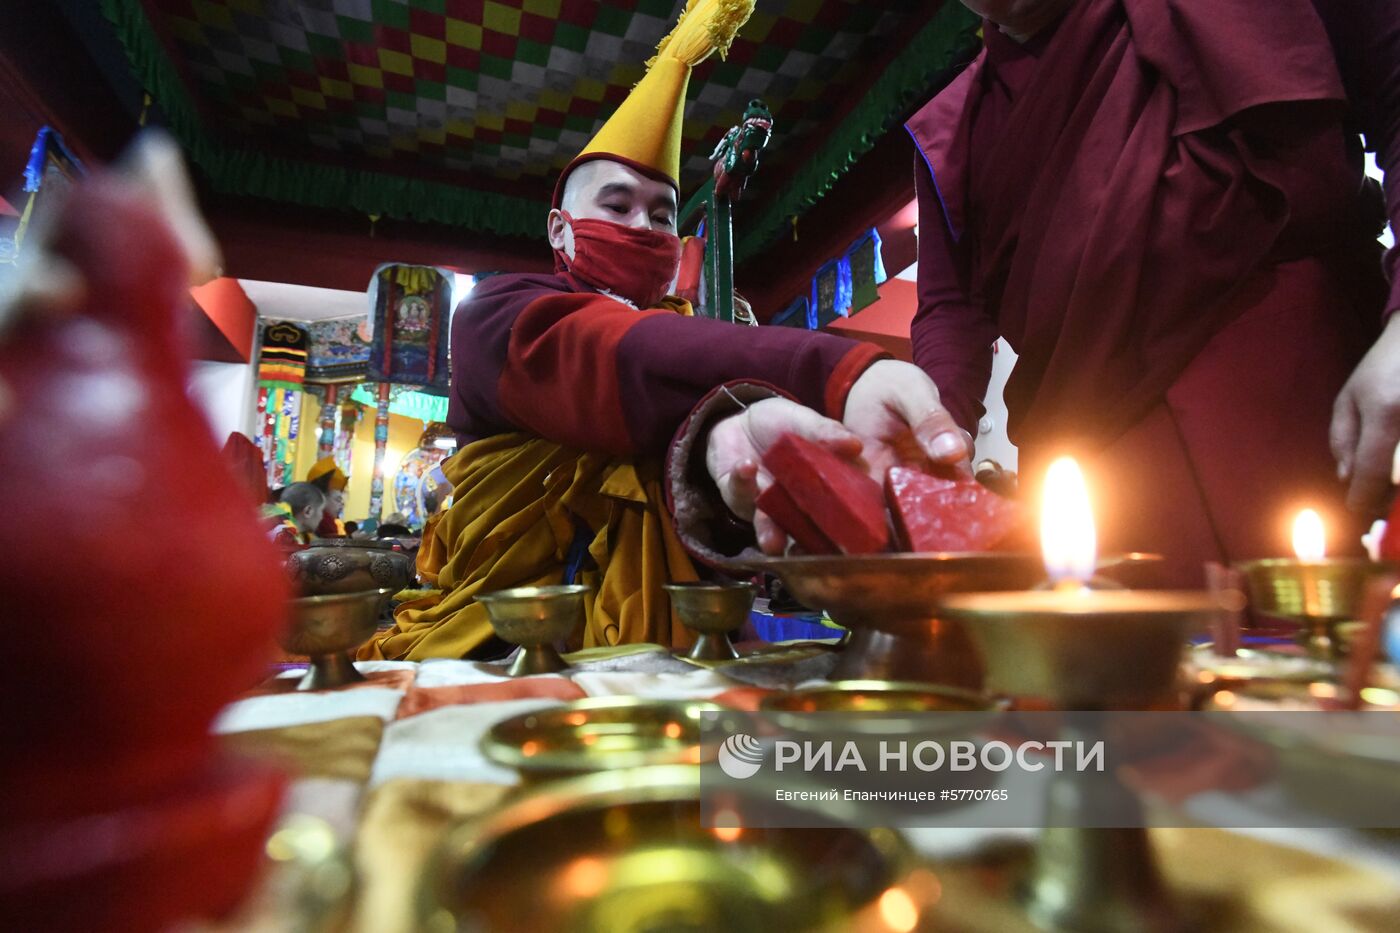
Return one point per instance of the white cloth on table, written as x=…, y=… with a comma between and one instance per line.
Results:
x=700, y=683
x=445, y=744
x=278, y=710
x=364, y=667
x=451, y=673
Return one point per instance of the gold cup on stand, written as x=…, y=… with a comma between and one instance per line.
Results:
x=1086, y=650
x=326, y=627
x=1323, y=596
x=712, y=610
x=535, y=617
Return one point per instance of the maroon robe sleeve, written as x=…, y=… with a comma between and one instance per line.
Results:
x=1365, y=36
x=952, y=335
x=532, y=353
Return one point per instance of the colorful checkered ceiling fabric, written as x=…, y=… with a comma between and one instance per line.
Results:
x=503, y=90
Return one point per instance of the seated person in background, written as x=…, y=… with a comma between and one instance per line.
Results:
x=392, y=529
x=605, y=434
x=297, y=514
x=329, y=478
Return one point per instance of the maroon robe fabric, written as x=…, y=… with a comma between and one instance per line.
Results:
x=539, y=353
x=1133, y=199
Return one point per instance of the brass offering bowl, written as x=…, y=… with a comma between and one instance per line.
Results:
x=713, y=610
x=599, y=734
x=889, y=603
x=1089, y=650
x=1323, y=596
x=625, y=852
x=345, y=565
x=535, y=617
x=326, y=627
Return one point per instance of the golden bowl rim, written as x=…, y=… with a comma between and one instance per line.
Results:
x=369, y=544
x=701, y=586
x=1277, y=563
x=1177, y=602
x=522, y=593
x=990, y=702
x=465, y=840
x=889, y=559
x=509, y=755
x=328, y=598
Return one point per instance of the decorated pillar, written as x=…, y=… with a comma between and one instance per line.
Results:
x=325, y=443
x=411, y=308
x=381, y=443
x=281, y=375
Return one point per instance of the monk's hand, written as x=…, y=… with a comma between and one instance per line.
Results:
x=895, y=410
x=734, y=456
x=1366, y=424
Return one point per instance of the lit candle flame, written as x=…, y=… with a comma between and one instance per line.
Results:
x=1067, y=538
x=1309, y=541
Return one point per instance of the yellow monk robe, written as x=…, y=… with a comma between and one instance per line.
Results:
x=511, y=523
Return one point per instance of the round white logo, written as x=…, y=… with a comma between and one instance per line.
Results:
x=740, y=756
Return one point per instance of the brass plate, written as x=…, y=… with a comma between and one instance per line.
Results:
x=877, y=696
x=600, y=734
x=625, y=851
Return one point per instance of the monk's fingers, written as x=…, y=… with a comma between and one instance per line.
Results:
x=770, y=419
x=941, y=437
x=1344, y=432
x=738, y=487
x=771, y=539
x=1371, y=467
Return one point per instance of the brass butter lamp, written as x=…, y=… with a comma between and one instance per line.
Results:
x=712, y=611
x=535, y=617
x=1082, y=649
x=325, y=628
x=1322, y=594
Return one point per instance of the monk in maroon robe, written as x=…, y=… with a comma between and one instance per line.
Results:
x=1160, y=204
x=608, y=435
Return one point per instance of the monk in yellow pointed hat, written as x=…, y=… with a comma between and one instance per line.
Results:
x=331, y=480
x=607, y=435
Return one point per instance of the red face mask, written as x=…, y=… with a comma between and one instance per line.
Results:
x=629, y=262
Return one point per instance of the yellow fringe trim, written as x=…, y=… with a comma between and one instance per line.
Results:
x=704, y=26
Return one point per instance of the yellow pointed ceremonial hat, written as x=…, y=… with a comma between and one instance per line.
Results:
x=325, y=467
x=645, y=131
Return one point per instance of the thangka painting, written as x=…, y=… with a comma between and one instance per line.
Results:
x=338, y=351
x=867, y=270
x=281, y=374
x=411, y=310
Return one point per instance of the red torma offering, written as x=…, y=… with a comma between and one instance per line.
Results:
x=831, y=506
x=816, y=495
x=932, y=513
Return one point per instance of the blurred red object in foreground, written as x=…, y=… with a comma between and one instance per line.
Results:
x=138, y=605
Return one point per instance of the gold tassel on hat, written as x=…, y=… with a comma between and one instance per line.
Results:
x=704, y=26
x=645, y=131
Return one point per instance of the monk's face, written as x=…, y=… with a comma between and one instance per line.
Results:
x=335, y=502
x=602, y=190
x=1019, y=17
